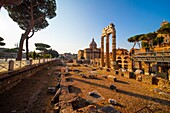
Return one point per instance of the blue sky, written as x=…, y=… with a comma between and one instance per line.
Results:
x=78, y=21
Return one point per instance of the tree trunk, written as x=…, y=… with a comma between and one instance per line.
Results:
x=19, y=55
x=23, y=37
x=27, y=50
x=134, y=44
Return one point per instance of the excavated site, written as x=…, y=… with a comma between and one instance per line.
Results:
x=82, y=89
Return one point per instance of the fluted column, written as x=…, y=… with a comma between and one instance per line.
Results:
x=107, y=52
x=102, y=52
x=114, y=49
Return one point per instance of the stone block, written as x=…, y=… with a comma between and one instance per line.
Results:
x=112, y=101
x=113, y=87
x=51, y=89
x=139, y=78
x=93, y=76
x=112, y=78
x=147, y=79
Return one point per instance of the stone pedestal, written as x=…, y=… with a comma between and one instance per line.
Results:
x=11, y=65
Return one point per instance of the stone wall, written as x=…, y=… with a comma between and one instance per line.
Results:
x=147, y=79
x=163, y=82
x=128, y=74
x=10, y=79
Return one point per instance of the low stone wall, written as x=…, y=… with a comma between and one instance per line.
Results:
x=162, y=82
x=147, y=79
x=10, y=79
x=129, y=74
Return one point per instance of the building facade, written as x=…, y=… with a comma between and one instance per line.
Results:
x=89, y=53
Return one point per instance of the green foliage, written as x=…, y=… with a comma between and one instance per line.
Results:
x=12, y=50
x=164, y=29
x=42, y=46
x=158, y=40
x=135, y=39
x=145, y=44
x=34, y=55
x=53, y=53
x=47, y=56
x=150, y=39
x=1, y=43
x=10, y=2
x=36, y=11
x=148, y=36
x=31, y=16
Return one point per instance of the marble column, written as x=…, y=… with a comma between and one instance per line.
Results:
x=114, y=50
x=107, y=52
x=102, y=52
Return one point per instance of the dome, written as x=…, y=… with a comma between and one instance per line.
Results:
x=93, y=44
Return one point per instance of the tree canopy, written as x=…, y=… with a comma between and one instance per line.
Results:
x=164, y=29
x=1, y=43
x=10, y=2
x=42, y=46
x=53, y=53
x=135, y=39
x=32, y=13
x=12, y=50
x=31, y=16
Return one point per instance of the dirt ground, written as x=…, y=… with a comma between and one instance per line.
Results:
x=30, y=95
x=131, y=96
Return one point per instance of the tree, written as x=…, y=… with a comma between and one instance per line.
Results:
x=158, y=41
x=149, y=38
x=1, y=43
x=42, y=47
x=33, y=55
x=53, y=53
x=31, y=16
x=164, y=29
x=135, y=39
x=10, y=2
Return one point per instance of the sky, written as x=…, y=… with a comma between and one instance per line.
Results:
x=78, y=21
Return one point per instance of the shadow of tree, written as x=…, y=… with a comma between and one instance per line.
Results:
x=73, y=89
x=123, y=82
x=157, y=100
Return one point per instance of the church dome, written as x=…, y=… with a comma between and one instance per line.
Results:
x=93, y=44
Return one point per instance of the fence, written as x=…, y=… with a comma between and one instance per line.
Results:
x=10, y=65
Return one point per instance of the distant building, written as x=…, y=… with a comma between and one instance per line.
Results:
x=89, y=53
x=4, y=54
x=123, y=58
x=166, y=41
x=68, y=56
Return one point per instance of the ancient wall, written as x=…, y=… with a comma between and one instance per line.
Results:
x=10, y=79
